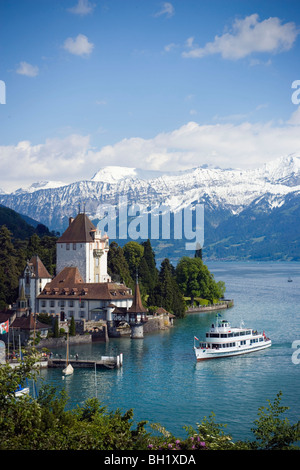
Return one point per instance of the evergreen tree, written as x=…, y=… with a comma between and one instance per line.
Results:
x=72, y=327
x=149, y=257
x=56, y=328
x=117, y=265
x=9, y=268
x=166, y=293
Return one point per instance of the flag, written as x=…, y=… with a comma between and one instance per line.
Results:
x=4, y=327
x=196, y=338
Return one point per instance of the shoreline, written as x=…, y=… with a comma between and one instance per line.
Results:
x=211, y=308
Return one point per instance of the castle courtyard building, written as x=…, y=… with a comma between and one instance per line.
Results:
x=70, y=296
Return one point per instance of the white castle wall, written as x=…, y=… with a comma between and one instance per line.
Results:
x=81, y=255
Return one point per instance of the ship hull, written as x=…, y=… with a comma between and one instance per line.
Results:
x=205, y=354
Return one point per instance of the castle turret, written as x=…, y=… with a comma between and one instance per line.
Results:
x=82, y=245
x=137, y=314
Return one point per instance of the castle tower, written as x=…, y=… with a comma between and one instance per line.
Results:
x=33, y=280
x=137, y=314
x=82, y=246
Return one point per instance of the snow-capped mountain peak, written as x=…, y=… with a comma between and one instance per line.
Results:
x=113, y=174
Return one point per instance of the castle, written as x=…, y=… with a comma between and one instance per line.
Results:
x=82, y=288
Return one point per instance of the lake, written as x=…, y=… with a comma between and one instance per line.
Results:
x=161, y=380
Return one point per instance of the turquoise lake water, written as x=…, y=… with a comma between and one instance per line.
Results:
x=161, y=380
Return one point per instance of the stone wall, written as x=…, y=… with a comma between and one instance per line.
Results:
x=61, y=342
x=160, y=322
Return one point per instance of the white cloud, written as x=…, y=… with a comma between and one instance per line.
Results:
x=295, y=118
x=83, y=7
x=27, y=69
x=78, y=46
x=57, y=159
x=244, y=145
x=247, y=36
x=167, y=9
x=225, y=144
x=170, y=47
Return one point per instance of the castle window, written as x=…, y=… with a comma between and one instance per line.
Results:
x=68, y=246
x=74, y=246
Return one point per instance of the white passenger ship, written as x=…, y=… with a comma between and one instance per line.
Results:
x=222, y=340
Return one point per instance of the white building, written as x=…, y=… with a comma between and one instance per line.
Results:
x=33, y=281
x=82, y=288
x=82, y=246
x=68, y=295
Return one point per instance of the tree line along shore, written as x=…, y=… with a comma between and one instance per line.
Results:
x=173, y=288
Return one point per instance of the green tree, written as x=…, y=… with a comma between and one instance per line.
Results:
x=272, y=432
x=117, y=265
x=133, y=253
x=195, y=280
x=72, y=327
x=45, y=424
x=152, y=272
x=56, y=328
x=9, y=268
x=166, y=293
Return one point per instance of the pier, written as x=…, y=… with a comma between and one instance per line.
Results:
x=110, y=362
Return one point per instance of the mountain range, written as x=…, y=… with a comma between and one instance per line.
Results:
x=248, y=214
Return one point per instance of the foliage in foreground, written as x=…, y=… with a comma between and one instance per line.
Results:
x=45, y=424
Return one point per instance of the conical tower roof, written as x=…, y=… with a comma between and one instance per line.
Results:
x=137, y=305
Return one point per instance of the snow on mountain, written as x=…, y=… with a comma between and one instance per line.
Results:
x=113, y=174
x=231, y=190
x=40, y=185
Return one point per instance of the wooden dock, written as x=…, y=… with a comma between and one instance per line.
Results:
x=110, y=362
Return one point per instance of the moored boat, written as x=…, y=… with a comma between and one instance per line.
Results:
x=222, y=340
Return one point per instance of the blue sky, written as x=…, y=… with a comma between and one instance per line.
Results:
x=143, y=83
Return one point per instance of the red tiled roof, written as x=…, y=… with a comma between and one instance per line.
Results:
x=68, y=284
x=27, y=323
x=6, y=315
x=81, y=229
x=39, y=268
x=137, y=306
